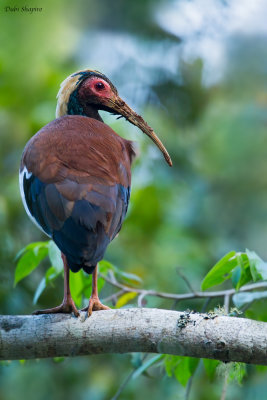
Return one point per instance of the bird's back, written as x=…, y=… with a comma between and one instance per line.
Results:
x=75, y=182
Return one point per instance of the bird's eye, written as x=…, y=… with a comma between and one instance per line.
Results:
x=99, y=86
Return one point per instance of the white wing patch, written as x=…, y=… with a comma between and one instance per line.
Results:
x=27, y=174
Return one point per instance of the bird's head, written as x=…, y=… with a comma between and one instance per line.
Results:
x=85, y=92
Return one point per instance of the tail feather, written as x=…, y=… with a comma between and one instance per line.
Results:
x=90, y=269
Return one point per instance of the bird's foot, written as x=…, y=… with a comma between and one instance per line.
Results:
x=95, y=305
x=66, y=307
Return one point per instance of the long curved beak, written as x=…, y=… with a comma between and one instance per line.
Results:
x=120, y=107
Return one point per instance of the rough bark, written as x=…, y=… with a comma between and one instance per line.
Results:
x=134, y=330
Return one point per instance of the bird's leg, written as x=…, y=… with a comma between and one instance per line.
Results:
x=67, y=306
x=94, y=302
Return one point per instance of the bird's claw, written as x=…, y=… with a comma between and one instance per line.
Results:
x=66, y=307
x=94, y=305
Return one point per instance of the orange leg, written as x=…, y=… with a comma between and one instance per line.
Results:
x=67, y=306
x=94, y=302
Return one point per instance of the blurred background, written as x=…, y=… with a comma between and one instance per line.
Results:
x=197, y=72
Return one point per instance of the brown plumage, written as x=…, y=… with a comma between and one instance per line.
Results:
x=77, y=146
x=75, y=176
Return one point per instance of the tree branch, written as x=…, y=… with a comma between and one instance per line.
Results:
x=134, y=330
x=184, y=296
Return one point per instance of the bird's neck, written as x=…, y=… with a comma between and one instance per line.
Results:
x=75, y=107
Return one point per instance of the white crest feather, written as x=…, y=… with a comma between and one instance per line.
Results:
x=66, y=88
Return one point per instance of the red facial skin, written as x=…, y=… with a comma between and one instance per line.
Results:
x=96, y=87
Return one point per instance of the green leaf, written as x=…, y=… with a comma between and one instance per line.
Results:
x=58, y=360
x=181, y=367
x=182, y=371
x=241, y=274
x=30, y=259
x=192, y=364
x=40, y=288
x=236, y=276
x=185, y=369
x=50, y=275
x=258, y=267
x=55, y=256
x=170, y=362
x=245, y=277
x=87, y=289
x=241, y=299
x=237, y=372
x=261, y=368
x=242, y=268
x=77, y=284
x=31, y=246
x=105, y=266
x=125, y=298
x=146, y=365
x=210, y=367
x=220, y=272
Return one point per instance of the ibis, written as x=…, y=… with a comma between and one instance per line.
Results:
x=75, y=177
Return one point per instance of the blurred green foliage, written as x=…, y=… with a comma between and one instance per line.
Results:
x=212, y=201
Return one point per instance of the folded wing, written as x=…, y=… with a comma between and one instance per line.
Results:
x=78, y=197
